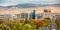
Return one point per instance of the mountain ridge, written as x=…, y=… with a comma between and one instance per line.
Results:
x=30, y=5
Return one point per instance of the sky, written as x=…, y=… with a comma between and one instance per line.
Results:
x=15, y=2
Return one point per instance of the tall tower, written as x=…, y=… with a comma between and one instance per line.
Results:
x=32, y=14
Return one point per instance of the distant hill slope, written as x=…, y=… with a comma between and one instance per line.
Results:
x=29, y=5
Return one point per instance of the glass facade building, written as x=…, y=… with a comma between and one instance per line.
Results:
x=32, y=14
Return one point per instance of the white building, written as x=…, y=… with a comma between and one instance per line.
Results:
x=24, y=13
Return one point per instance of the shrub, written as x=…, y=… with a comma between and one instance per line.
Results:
x=58, y=23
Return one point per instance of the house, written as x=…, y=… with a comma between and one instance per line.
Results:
x=30, y=13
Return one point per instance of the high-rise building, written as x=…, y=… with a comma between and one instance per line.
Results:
x=32, y=14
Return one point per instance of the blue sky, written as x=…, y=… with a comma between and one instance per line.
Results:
x=15, y=2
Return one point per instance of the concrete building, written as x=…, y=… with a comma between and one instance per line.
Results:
x=30, y=13
x=2, y=17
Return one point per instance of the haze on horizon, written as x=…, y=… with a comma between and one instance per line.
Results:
x=16, y=2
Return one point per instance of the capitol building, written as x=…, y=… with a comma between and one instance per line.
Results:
x=37, y=13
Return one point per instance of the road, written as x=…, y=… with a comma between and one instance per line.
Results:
x=53, y=25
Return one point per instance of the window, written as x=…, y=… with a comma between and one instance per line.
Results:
x=24, y=15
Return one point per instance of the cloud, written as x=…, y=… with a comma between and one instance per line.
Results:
x=15, y=2
x=9, y=2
